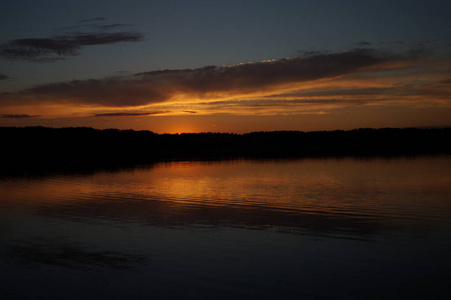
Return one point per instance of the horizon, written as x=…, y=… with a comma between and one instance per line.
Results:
x=231, y=133
x=226, y=66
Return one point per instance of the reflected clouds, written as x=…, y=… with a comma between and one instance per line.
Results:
x=38, y=252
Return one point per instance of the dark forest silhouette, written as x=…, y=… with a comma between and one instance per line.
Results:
x=42, y=148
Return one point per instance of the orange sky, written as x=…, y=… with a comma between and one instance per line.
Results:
x=325, y=91
x=225, y=66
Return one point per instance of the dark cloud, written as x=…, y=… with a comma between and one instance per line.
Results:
x=58, y=47
x=77, y=28
x=91, y=20
x=250, y=76
x=363, y=43
x=128, y=114
x=208, y=82
x=18, y=116
x=3, y=77
x=190, y=111
x=83, y=27
x=392, y=42
x=113, y=26
x=312, y=52
x=113, y=92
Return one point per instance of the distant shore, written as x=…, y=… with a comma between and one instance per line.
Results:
x=27, y=149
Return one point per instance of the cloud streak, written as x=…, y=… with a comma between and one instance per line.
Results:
x=3, y=77
x=315, y=84
x=203, y=83
x=58, y=47
x=92, y=20
x=18, y=116
x=68, y=44
x=363, y=43
x=129, y=114
x=113, y=26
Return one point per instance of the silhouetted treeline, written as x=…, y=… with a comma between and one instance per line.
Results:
x=65, y=148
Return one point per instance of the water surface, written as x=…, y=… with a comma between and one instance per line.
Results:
x=313, y=228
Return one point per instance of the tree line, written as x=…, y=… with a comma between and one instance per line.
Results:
x=49, y=148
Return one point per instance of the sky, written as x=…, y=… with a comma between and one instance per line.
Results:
x=225, y=66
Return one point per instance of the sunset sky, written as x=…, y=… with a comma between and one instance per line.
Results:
x=225, y=66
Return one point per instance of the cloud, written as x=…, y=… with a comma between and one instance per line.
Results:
x=322, y=92
x=89, y=26
x=92, y=20
x=128, y=114
x=250, y=76
x=264, y=106
x=92, y=27
x=113, y=26
x=363, y=43
x=61, y=46
x=202, y=83
x=18, y=116
x=313, y=84
x=312, y=52
x=3, y=77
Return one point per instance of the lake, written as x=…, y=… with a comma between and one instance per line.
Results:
x=324, y=228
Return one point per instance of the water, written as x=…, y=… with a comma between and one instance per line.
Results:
x=279, y=229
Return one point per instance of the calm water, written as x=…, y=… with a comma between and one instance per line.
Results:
x=290, y=229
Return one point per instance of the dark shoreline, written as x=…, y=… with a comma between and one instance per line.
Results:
x=43, y=149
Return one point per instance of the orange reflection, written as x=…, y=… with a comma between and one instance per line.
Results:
x=333, y=187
